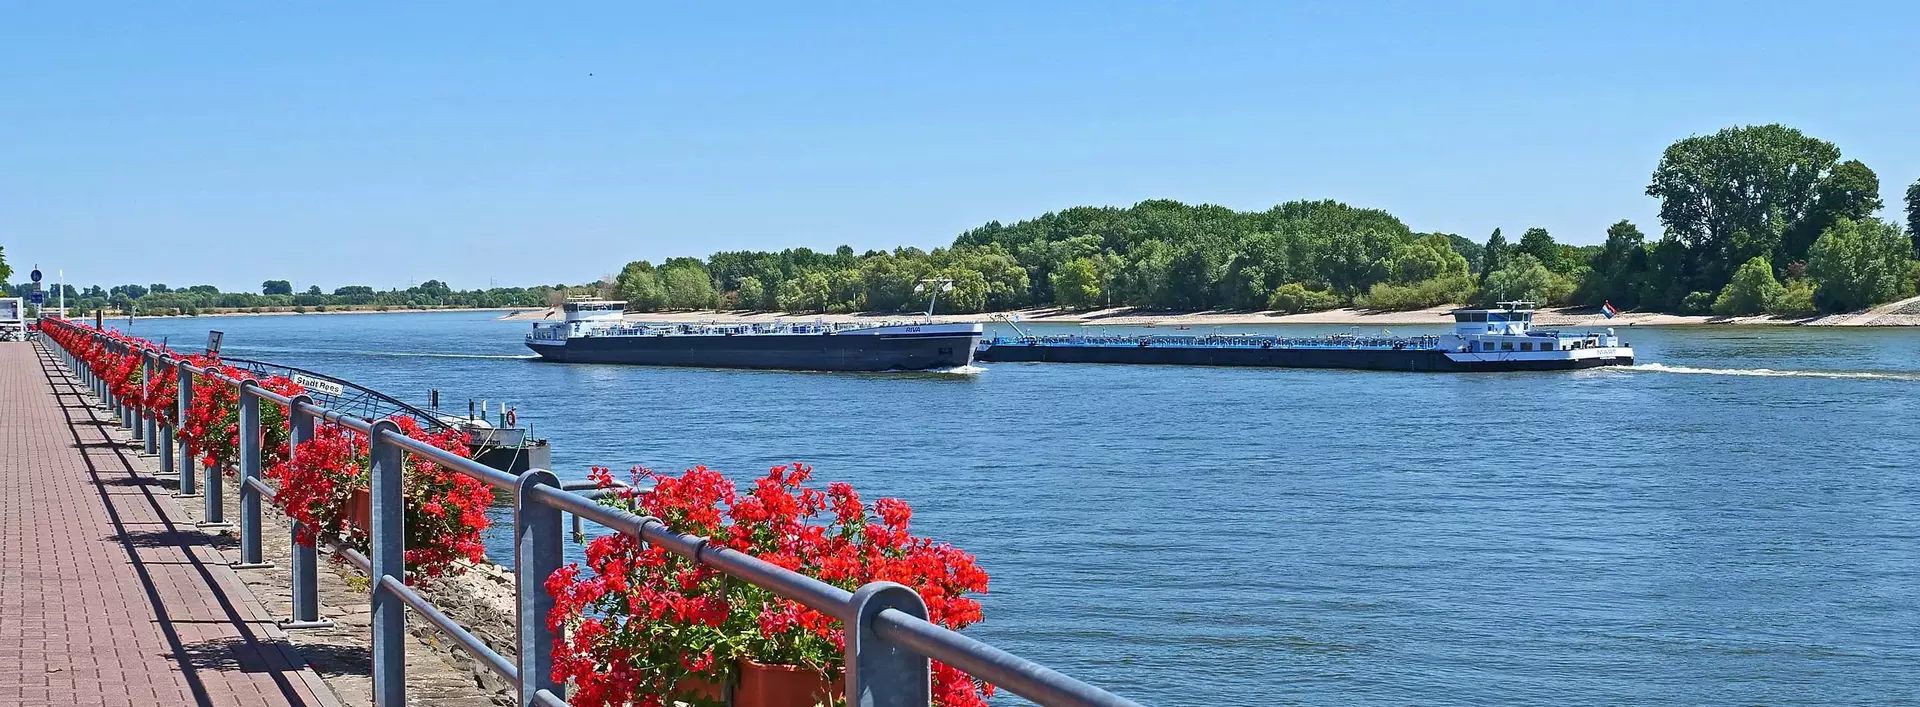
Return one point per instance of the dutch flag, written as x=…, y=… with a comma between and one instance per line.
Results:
x=1608, y=309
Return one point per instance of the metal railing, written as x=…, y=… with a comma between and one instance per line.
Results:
x=888, y=638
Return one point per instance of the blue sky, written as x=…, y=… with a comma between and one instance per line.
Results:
x=521, y=143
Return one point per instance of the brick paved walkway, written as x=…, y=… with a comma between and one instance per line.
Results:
x=108, y=595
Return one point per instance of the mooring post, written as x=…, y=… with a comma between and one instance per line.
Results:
x=166, y=425
x=389, y=560
x=537, y=553
x=250, y=474
x=306, y=578
x=881, y=673
x=182, y=406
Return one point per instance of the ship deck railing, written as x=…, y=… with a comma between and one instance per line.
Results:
x=1216, y=341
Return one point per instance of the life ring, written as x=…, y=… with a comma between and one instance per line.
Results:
x=512, y=419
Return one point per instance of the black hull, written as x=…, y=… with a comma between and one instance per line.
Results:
x=797, y=352
x=1358, y=359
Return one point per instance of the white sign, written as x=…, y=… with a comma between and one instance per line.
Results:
x=317, y=385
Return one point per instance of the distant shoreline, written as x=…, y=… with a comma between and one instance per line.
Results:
x=1891, y=315
x=78, y=316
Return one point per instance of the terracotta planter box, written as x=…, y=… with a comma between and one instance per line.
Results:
x=764, y=685
x=695, y=690
x=360, y=511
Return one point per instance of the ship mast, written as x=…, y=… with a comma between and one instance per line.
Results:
x=940, y=284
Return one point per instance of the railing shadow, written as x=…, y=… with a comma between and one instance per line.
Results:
x=174, y=538
x=274, y=655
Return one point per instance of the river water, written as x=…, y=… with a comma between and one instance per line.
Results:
x=1736, y=520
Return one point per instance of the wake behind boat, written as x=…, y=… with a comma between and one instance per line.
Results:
x=1499, y=339
x=594, y=331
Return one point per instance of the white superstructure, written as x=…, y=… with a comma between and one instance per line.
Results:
x=1506, y=333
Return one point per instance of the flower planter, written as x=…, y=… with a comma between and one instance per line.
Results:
x=763, y=685
x=699, y=691
x=360, y=511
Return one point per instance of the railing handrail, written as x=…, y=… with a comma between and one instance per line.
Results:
x=857, y=610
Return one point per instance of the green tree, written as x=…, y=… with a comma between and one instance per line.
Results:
x=311, y=289
x=1077, y=283
x=753, y=294
x=276, y=287
x=685, y=284
x=1858, y=264
x=1618, y=272
x=1752, y=291
x=640, y=286
x=1294, y=298
x=6, y=271
x=1524, y=278
x=1852, y=191
x=1493, y=256
x=1539, y=244
x=1430, y=257
x=1913, y=216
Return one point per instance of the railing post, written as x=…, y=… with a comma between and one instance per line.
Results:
x=166, y=363
x=306, y=577
x=183, y=406
x=881, y=673
x=389, y=560
x=142, y=421
x=213, y=488
x=250, y=471
x=537, y=553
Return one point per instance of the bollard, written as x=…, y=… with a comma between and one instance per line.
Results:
x=537, y=553
x=183, y=405
x=249, y=424
x=389, y=560
x=879, y=672
x=306, y=577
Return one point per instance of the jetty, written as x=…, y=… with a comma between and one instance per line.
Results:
x=130, y=577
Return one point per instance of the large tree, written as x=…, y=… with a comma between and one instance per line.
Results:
x=276, y=287
x=1760, y=181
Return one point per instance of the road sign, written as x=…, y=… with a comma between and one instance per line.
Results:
x=35, y=275
x=37, y=298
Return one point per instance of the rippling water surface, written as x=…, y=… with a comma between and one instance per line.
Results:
x=1736, y=520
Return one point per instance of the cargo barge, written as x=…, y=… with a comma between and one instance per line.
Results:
x=1497, y=339
x=594, y=331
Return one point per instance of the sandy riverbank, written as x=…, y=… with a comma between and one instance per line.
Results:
x=1904, y=313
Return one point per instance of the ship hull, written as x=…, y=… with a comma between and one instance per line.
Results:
x=799, y=352
x=1358, y=359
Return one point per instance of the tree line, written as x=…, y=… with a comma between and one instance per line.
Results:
x=279, y=295
x=1755, y=219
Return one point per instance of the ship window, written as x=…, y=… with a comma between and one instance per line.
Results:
x=1526, y=347
x=1480, y=317
x=1506, y=346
